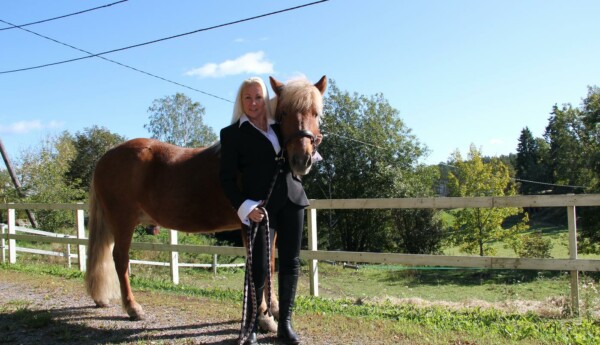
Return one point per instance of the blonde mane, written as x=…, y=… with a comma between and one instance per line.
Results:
x=301, y=96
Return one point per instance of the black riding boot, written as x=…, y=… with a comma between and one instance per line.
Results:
x=287, y=295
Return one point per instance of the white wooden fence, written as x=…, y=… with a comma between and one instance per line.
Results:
x=313, y=255
x=9, y=237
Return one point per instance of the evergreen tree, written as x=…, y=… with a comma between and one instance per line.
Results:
x=567, y=164
x=527, y=163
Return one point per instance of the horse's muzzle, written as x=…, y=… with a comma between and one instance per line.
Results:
x=300, y=157
x=300, y=164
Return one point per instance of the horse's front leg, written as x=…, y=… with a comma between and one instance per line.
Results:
x=121, y=258
x=274, y=300
x=267, y=323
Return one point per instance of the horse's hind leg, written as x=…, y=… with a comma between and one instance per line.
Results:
x=123, y=238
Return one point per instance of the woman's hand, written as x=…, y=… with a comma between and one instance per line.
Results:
x=256, y=215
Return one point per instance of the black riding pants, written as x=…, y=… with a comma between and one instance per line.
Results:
x=287, y=220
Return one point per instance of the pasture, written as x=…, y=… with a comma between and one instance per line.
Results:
x=364, y=306
x=375, y=304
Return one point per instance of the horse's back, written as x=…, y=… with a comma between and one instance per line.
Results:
x=165, y=185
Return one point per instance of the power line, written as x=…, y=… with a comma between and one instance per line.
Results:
x=165, y=38
x=529, y=181
x=115, y=62
x=351, y=139
x=63, y=16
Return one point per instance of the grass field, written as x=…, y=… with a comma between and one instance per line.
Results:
x=350, y=320
x=440, y=304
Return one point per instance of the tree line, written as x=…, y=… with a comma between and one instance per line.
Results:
x=368, y=152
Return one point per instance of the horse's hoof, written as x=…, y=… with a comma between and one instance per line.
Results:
x=136, y=313
x=267, y=324
x=102, y=304
x=137, y=317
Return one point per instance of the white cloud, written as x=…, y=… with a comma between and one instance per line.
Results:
x=249, y=63
x=496, y=141
x=23, y=127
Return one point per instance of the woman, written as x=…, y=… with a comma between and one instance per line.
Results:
x=249, y=148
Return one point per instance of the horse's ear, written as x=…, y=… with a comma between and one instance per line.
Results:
x=321, y=85
x=276, y=85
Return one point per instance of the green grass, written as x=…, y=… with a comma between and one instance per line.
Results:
x=435, y=324
x=385, y=298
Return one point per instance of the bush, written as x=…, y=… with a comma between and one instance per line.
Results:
x=534, y=246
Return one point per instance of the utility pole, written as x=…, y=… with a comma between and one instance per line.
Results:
x=11, y=172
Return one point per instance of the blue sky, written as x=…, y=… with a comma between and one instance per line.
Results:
x=459, y=72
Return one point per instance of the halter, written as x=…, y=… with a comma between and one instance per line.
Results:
x=301, y=133
x=304, y=133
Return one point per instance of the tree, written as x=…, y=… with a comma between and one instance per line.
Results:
x=590, y=216
x=475, y=229
x=368, y=153
x=42, y=173
x=89, y=145
x=567, y=163
x=179, y=121
x=527, y=162
x=420, y=231
x=8, y=193
x=590, y=118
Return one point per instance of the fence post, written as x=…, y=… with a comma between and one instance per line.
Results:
x=3, y=242
x=68, y=254
x=12, y=244
x=174, y=257
x=215, y=264
x=312, y=245
x=572, y=219
x=81, y=250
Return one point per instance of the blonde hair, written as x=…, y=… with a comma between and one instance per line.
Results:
x=238, y=109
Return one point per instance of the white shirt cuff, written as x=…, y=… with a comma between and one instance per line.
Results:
x=245, y=209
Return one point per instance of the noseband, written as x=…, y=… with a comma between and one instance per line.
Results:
x=303, y=133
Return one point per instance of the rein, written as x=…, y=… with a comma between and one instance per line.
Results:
x=249, y=286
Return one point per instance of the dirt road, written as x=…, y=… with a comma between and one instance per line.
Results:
x=52, y=310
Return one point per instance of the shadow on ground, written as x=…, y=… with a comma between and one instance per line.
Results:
x=69, y=326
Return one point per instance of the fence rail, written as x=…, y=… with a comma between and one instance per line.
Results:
x=313, y=255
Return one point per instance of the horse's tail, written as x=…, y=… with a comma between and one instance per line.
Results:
x=100, y=277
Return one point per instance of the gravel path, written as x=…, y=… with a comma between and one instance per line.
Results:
x=51, y=310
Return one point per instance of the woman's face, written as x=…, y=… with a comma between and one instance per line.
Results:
x=253, y=102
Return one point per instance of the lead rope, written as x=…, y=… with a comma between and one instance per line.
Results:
x=246, y=328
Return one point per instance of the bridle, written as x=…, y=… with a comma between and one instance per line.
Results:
x=303, y=133
x=315, y=140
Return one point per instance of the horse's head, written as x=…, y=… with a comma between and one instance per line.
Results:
x=298, y=110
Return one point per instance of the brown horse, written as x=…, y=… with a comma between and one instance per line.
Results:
x=145, y=181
